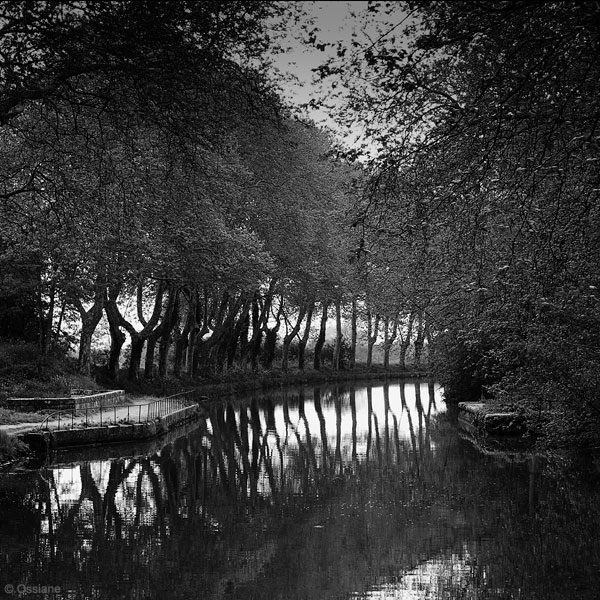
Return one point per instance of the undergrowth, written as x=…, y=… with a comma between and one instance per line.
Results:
x=10, y=447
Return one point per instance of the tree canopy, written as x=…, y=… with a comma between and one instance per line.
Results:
x=485, y=188
x=150, y=175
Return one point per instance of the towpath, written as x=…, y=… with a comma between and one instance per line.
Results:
x=134, y=411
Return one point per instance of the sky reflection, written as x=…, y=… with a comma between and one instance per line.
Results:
x=318, y=493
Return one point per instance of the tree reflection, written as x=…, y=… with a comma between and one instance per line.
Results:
x=369, y=488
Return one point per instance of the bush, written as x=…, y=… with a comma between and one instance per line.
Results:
x=23, y=372
x=345, y=351
x=10, y=447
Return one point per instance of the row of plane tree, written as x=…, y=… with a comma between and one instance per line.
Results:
x=161, y=188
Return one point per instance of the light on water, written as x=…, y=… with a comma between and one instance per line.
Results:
x=349, y=491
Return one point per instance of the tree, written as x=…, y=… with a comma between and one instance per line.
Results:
x=102, y=141
x=486, y=119
x=50, y=49
x=160, y=183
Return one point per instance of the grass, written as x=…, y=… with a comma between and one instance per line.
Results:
x=13, y=417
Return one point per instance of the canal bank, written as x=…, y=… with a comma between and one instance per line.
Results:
x=111, y=424
x=245, y=382
x=483, y=419
x=111, y=433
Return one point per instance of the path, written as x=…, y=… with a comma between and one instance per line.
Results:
x=109, y=415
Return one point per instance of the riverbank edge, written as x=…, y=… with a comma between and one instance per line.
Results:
x=248, y=382
x=110, y=434
x=484, y=419
x=243, y=383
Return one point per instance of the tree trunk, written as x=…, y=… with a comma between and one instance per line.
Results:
x=89, y=321
x=59, y=324
x=304, y=339
x=372, y=334
x=117, y=339
x=321, y=339
x=220, y=348
x=243, y=337
x=214, y=349
x=288, y=338
x=161, y=331
x=45, y=319
x=149, y=362
x=84, y=360
x=137, y=346
x=205, y=312
x=201, y=315
x=389, y=339
x=419, y=339
x=353, y=334
x=164, y=345
x=268, y=354
x=138, y=338
x=192, y=350
x=117, y=336
x=256, y=338
x=405, y=343
x=271, y=338
x=239, y=330
x=182, y=343
x=260, y=318
x=428, y=338
x=338, y=336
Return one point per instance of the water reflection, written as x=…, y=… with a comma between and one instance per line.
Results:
x=325, y=492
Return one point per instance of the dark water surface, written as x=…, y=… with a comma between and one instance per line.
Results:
x=344, y=492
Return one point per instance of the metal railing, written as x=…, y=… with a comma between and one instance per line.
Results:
x=118, y=414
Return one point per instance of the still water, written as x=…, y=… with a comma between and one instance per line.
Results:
x=333, y=492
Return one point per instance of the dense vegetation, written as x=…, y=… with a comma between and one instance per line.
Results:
x=486, y=188
x=152, y=180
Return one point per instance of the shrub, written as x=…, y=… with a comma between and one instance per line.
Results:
x=10, y=447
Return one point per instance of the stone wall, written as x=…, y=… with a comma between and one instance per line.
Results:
x=480, y=418
x=76, y=402
x=110, y=434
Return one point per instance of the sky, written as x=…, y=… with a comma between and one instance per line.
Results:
x=334, y=22
x=294, y=69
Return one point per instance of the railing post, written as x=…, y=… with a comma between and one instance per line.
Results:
x=100, y=415
x=72, y=417
x=140, y=414
x=58, y=420
x=86, y=416
x=115, y=413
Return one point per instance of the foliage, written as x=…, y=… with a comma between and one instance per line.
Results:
x=10, y=447
x=345, y=350
x=485, y=188
x=23, y=372
x=162, y=185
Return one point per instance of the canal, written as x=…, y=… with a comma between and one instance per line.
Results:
x=352, y=491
